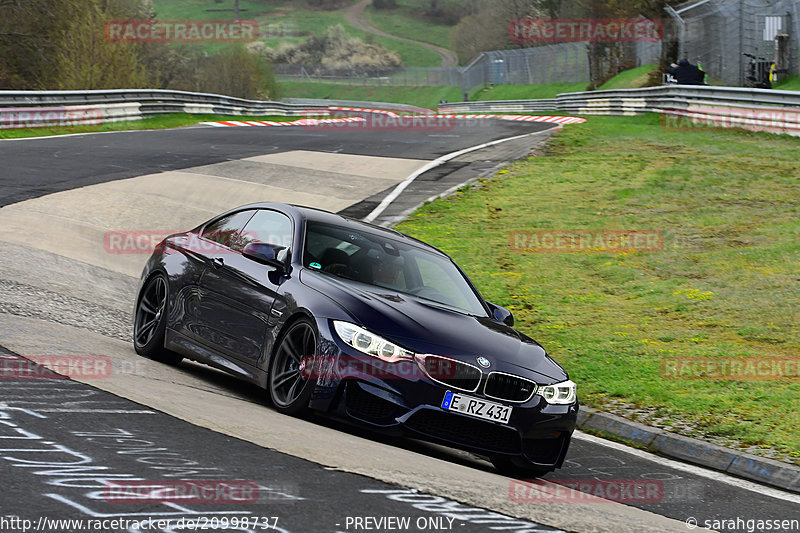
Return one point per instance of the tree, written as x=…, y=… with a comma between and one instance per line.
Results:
x=49, y=44
x=25, y=48
x=607, y=59
x=86, y=59
x=237, y=72
x=488, y=30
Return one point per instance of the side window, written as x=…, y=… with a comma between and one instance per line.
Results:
x=226, y=230
x=269, y=227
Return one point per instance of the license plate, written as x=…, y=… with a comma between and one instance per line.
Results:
x=476, y=407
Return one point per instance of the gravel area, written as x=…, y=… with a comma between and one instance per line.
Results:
x=29, y=301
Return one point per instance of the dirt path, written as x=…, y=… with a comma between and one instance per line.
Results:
x=355, y=15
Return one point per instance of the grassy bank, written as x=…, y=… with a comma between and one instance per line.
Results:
x=630, y=79
x=424, y=96
x=525, y=92
x=792, y=83
x=176, y=120
x=403, y=23
x=420, y=96
x=725, y=286
x=277, y=18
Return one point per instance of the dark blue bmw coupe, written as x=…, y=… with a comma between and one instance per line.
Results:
x=331, y=314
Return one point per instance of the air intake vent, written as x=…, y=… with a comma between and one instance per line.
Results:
x=465, y=431
x=451, y=372
x=509, y=387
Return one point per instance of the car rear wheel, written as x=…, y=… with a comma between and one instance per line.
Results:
x=289, y=389
x=150, y=323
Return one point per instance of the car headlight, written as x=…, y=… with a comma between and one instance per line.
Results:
x=563, y=393
x=371, y=344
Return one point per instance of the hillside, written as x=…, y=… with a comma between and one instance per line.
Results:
x=293, y=22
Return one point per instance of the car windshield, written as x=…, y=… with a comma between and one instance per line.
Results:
x=389, y=264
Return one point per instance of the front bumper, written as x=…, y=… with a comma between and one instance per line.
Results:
x=388, y=397
x=540, y=438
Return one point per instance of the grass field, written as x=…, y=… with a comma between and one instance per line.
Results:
x=176, y=120
x=630, y=79
x=525, y=92
x=725, y=286
x=288, y=15
x=792, y=83
x=403, y=22
x=420, y=96
x=423, y=96
x=203, y=9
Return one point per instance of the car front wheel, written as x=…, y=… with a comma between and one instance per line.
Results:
x=289, y=388
x=150, y=323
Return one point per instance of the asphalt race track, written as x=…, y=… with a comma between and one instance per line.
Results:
x=63, y=459
x=34, y=167
x=63, y=293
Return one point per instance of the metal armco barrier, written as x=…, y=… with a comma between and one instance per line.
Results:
x=47, y=108
x=755, y=109
x=501, y=106
x=683, y=106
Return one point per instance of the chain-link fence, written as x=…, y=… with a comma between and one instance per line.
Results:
x=554, y=63
x=719, y=34
x=733, y=41
x=372, y=76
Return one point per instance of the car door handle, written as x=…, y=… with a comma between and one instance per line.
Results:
x=218, y=262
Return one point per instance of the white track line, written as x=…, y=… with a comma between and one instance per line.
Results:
x=692, y=469
x=87, y=133
x=392, y=196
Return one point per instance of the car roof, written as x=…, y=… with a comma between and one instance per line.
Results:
x=327, y=217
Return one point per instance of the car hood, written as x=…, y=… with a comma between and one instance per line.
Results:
x=424, y=327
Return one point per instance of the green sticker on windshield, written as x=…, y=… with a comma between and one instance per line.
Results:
x=315, y=265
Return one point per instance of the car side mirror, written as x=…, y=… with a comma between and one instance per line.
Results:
x=501, y=314
x=265, y=253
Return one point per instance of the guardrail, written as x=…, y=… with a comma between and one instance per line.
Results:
x=45, y=108
x=501, y=106
x=754, y=109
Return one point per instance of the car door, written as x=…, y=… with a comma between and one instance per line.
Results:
x=200, y=248
x=238, y=293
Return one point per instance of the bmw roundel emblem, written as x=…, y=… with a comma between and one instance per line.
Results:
x=484, y=362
